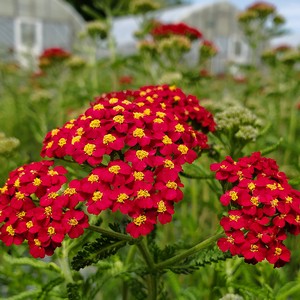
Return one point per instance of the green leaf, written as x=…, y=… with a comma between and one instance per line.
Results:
x=196, y=172
x=32, y=294
x=31, y=262
x=73, y=291
x=204, y=258
x=48, y=287
x=271, y=148
x=101, y=248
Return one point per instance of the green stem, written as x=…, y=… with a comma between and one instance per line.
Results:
x=175, y=259
x=152, y=277
x=110, y=233
x=146, y=254
x=65, y=265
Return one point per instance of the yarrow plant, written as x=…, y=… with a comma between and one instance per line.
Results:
x=51, y=56
x=181, y=29
x=135, y=143
x=125, y=156
x=262, y=209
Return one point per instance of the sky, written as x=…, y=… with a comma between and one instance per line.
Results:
x=290, y=9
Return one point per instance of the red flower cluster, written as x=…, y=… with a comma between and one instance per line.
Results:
x=146, y=135
x=263, y=209
x=52, y=55
x=166, y=30
x=33, y=207
x=208, y=49
x=263, y=9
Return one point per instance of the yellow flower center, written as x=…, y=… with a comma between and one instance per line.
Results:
x=10, y=230
x=254, y=201
x=171, y=185
x=29, y=224
x=108, y=138
x=179, y=128
x=176, y=98
x=37, y=242
x=89, y=149
x=138, y=175
x=17, y=183
x=139, y=220
x=113, y=100
x=69, y=126
x=54, y=132
x=141, y=154
x=140, y=104
x=158, y=120
x=166, y=140
x=4, y=189
x=183, y=149
x=272, y=186
x=150, y=99
x=126, y=102
x=93, y=178
x=277, y=251
x=147, y=112
x=49, y=145
x=253, y=248
x=51, y=230
x=230, y=239
x=168, y=164
x=274, y=202
x=97, y=196
x=114, y=169
x=37, y=181
x=95, y=123
x=62, y=142
x=20, y=196
x=138, y=132
x=122, y=197
x=160, y=114
x=52, y=195
x=119, y=119
x=21, y=214
x=251, y=186
x=161, y=207
x=143, y=193
x=70, y=191
x=52, y=173
x=75, y=139
x=288, y=199
x=138, y=115
x=98, y=107
x=234, y=218
x=240, y=174
x=233, y=195
x=80, y=131
x=73, y=222
x=119, y=108
x=48, y=211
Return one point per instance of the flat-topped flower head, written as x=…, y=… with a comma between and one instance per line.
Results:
x=263, y=207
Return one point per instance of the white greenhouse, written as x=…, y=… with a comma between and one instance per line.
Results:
x=217, y=21
x=27, y=27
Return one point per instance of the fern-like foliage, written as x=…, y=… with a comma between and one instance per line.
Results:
x=206, y=257
x=138, y=288
x=73, y=290
x=92, y=252
x=47, y=288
